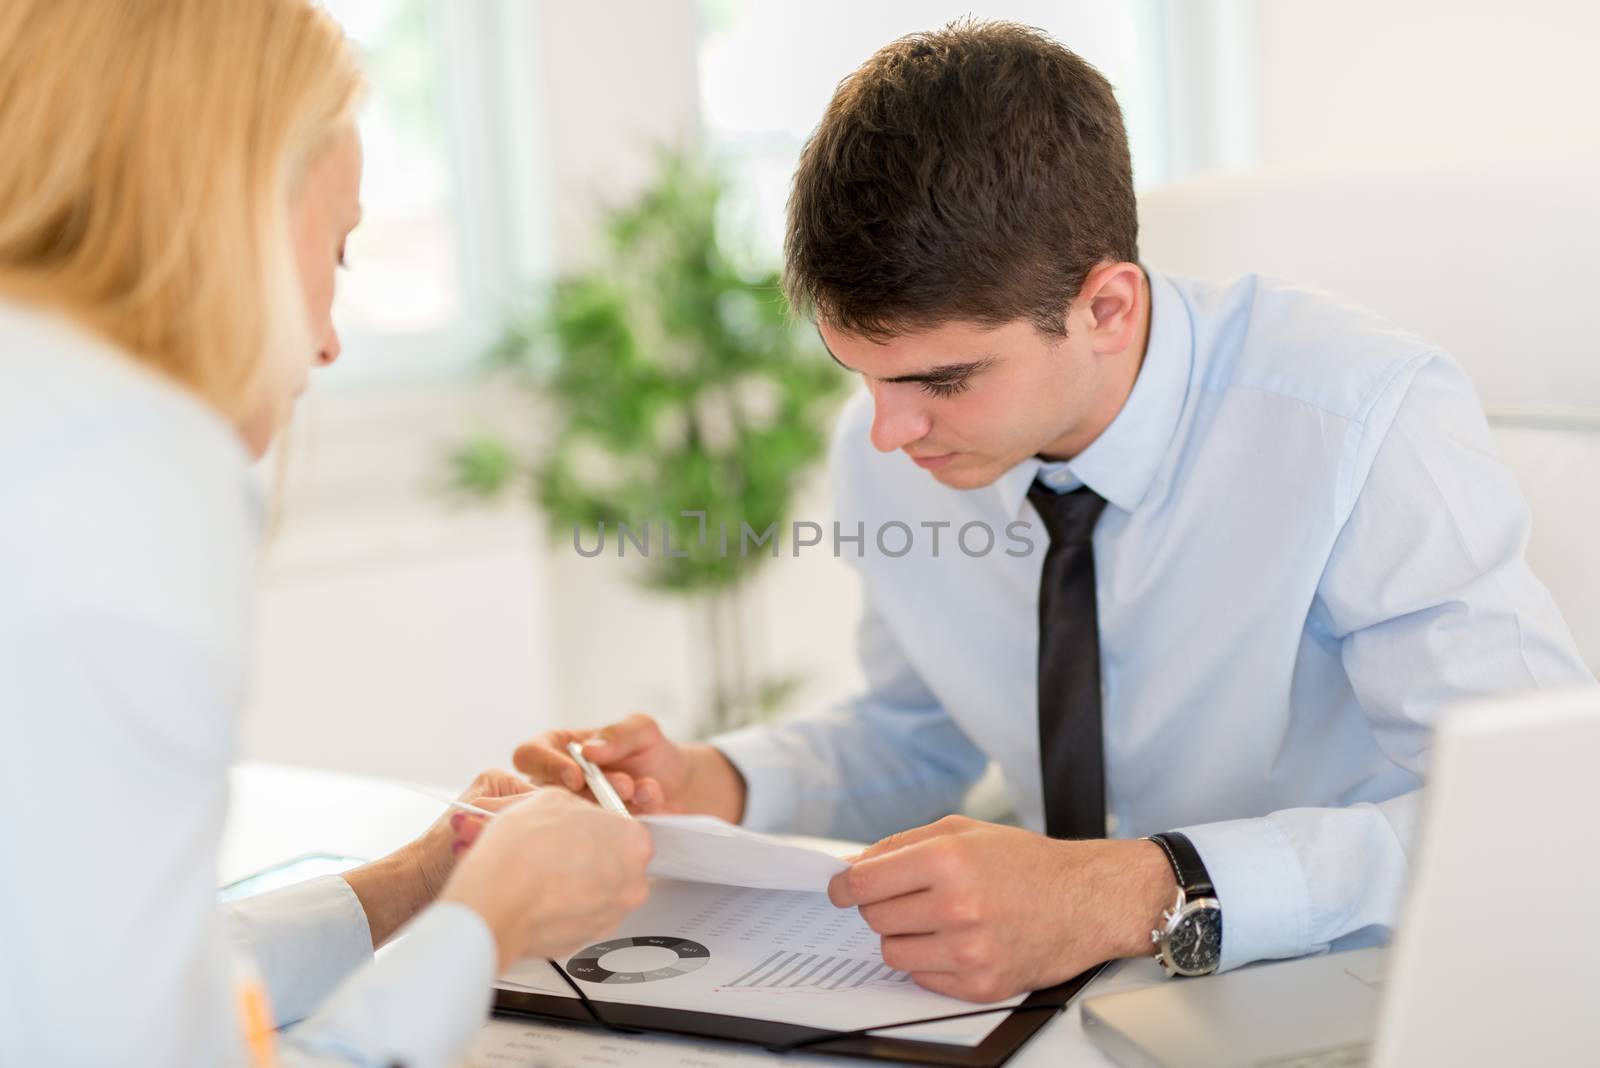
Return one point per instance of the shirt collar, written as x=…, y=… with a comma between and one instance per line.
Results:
x=1120, y=464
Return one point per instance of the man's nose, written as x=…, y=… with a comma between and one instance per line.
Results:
x=897, y=419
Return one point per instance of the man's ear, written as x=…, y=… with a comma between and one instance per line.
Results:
x=1113, y=295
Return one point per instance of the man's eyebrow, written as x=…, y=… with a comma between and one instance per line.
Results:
x=941, y=375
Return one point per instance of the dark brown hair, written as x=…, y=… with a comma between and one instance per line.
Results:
x=975, y=172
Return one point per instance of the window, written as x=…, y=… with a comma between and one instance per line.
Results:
x=405, y=275
x=443, y=241
x=768, y=70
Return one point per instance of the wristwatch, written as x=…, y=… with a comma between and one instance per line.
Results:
x=1189, y=941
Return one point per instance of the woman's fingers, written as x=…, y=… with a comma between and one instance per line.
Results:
x=501, y=803
x=496, y=783
x=598, y=858
x=466, y=828
x=468, y=825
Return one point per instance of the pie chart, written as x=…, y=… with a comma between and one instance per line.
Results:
x=641, y=959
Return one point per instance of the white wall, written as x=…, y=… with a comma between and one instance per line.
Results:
x=395, y=634
x=1417, y=78
x=615, y=79
x=403, y=633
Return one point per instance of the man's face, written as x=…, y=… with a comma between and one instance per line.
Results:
x=968, y=402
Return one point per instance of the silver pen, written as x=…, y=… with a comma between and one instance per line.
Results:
x=599, y=785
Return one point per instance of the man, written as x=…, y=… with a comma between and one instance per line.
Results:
x=1272, y=542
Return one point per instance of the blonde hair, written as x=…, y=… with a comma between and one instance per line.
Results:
x=151, y=150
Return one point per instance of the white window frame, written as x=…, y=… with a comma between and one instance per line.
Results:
x=489, y=64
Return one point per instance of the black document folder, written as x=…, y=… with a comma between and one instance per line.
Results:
x=1020, y=1023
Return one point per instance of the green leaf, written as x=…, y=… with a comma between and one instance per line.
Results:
x=482, y=465
x=678, y=380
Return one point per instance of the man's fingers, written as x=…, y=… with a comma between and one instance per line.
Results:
x=648, y=796
x=544, y=761
x=958, y=985
x=920, y=913
x=622, y=783
x=918, y=953
x=937, y=829
x=620, y=740
x=903, y=871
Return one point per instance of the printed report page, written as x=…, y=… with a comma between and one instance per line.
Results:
x=781, y=955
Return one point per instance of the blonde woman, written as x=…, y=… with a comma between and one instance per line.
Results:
x=177, y=178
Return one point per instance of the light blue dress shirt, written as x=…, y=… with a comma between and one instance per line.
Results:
x=1310, y=549
x=127, y=555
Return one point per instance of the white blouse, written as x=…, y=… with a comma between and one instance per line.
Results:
x=129, y=527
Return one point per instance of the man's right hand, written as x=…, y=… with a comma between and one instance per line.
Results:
x=649, y=771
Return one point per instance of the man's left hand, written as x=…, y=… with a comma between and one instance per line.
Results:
x=980, y=911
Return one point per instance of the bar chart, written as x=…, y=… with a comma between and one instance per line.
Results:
x=790, y=970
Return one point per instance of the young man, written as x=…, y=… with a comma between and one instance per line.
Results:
x=1272, y=540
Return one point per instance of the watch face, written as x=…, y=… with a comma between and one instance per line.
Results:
x=1195, y=945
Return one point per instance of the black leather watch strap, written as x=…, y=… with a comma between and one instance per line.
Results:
x=1186, y=864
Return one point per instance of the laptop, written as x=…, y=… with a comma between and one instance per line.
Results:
x=1496, y=958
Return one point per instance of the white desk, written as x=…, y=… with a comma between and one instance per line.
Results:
x=280, y=811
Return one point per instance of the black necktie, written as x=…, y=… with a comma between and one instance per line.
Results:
x=1071, y=753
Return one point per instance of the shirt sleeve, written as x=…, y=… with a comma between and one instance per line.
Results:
x=116, y=950
x=305, y=939
x=889, y=759
x=1431, y=601
x=418, y=1004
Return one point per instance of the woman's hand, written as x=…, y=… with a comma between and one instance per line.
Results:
x=550, y=872
x=435, y=852
x=396, y=887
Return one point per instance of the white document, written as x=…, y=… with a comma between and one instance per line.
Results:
x=704, y=849
x=779, y=955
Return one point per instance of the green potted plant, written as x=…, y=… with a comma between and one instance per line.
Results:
x=682, y=398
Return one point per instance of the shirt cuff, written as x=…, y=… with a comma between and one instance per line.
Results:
x=305, y=939
x=770, y=793
x=419, y=1004
x=1266, y=905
